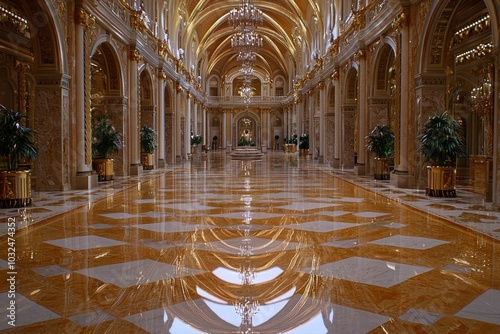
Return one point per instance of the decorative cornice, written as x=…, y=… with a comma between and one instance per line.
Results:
x=334, y=48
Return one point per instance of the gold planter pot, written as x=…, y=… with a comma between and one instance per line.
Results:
x=104, y=169
x=383, y=168
x=441, y=181
x=15, y=188
x=147, y=161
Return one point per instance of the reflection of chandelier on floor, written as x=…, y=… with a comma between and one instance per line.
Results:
x=246, y=306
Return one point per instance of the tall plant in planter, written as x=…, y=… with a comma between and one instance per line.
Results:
x=380, y=141
x=441, y=142
x=149, y=145
x=105, y=140
x=304, y=144
x=16, y=144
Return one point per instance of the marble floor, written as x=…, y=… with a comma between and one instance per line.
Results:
x=282, y=244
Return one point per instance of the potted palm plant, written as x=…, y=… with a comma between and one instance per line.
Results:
x=105, y=140
x=196, y=140
x=441, y=142
x=214, y=142
x=16, y=145
x=149, y=145
x=380, y=141
x=304, y=144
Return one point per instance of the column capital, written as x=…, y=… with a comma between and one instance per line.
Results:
x=335, y=75
x=360, y=55
x=135, y=55
x=400, y=22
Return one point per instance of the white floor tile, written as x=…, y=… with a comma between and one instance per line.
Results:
x=369, y=271
x=138, y=272
x=405, y=241
x=85, y=242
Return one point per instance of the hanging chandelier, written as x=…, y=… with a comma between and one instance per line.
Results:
x=246, y=57
x=247, y=16
x=247, y=70
x=247, y=41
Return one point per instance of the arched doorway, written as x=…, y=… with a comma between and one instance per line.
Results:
x=106, y=99
x=463, y=64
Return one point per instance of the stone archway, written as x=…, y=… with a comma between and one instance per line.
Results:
x=246, y=128
x=383, y=101
x=106, y=90
x=449, y=77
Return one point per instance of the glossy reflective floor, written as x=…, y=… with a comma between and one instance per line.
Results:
x=279, y=245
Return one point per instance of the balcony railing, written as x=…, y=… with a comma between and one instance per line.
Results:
x=239, y=99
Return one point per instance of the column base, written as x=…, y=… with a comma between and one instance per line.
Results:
x=86, y=182
x=136, y=170
x=402, y=180
x=162, y=163
x=360, y=169
x=336, y=163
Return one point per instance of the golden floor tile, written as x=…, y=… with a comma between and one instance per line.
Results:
x=279, y=245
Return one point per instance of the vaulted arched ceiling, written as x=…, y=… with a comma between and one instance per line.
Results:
x=284, y=22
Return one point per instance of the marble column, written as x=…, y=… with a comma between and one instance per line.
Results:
x=161, y=119
x=359, y=168
x=133, y=133
x=338, y=121
x=224, y=130
x=190, y=128
x=400, y=178
x=206, y=141
x=83, y=129
x=322, y=122
x=177, y=129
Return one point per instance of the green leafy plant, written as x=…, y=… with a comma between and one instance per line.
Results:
x=441, y=141
x=105, y=138
x=16, y=139
x=381, y=141
x=196, y=139
x=149, y=143
x=304, y=142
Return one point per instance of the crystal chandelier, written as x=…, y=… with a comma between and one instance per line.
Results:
x=246, y=41
x=246, y=57
x=247, y=16
x=481, y=98
x=246, y=69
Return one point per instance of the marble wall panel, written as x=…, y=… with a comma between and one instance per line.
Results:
x=349, y=120
x=48, y=125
